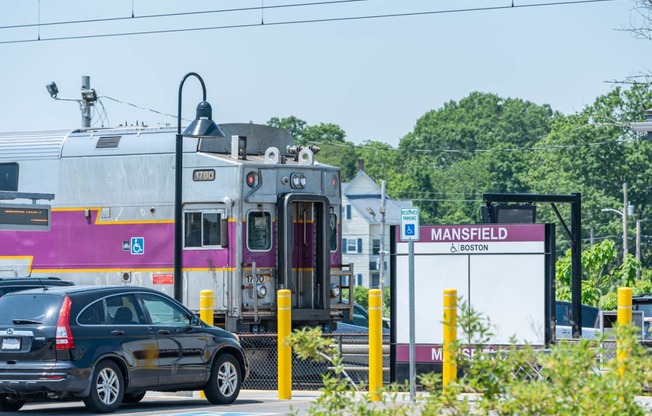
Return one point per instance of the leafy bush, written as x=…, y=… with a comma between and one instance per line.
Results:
x=572, y=378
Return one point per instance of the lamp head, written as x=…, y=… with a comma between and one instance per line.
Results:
x=89, y=95
x=203, y=124
x=52, y=89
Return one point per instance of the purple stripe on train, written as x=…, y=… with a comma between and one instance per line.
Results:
x=76, y=242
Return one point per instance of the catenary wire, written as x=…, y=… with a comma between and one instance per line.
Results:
x=304, y=21
x=178, y=14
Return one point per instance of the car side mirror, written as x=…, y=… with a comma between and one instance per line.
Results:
x=194, y=321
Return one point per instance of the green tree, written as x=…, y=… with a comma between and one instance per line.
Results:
x=601, y=274
x=292, y=124
x=594, y=152
x=476, y=145
x=334, y=149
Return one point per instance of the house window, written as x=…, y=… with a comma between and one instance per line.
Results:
x=9, y=177
x=347, y=212
x=375, y=280
x=345, y=280
x=373, y=265
x=202, y=229
x=375, y=249
x=352, y=245
x=359, y=278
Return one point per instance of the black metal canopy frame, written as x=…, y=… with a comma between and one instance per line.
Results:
x=574, y=234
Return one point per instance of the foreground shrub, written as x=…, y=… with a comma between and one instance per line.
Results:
x=569, y=379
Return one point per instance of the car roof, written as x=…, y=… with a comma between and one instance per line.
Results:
x=30, y=279
x=68, y=290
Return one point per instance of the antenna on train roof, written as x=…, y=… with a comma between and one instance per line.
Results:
x=86, y=103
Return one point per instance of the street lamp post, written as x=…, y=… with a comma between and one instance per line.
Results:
x=202, y=126
x=624, y=214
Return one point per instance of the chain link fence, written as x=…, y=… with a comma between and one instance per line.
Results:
x=261, y=351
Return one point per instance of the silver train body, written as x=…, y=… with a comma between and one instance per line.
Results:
x=259, y=215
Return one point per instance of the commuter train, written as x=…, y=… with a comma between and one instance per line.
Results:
x=258, y=214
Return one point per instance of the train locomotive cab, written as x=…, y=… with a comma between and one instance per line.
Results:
x=290, y=226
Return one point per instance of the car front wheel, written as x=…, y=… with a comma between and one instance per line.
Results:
x=226, y=378
x=107, y=388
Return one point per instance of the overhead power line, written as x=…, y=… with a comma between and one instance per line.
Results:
x=291, y=22
x=181, y=14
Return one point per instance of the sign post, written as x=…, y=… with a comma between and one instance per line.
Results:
x=410, y=233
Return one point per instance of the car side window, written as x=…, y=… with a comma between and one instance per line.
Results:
x=164, y=312
x=124, y=310
x=92, y=315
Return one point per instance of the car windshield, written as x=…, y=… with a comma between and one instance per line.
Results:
x=23, y=308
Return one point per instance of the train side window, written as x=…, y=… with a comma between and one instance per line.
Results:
x=259, y=230
x=211, y=229
x=202, y=229
x=9, y=177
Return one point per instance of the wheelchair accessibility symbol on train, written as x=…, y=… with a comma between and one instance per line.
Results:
x=137, y=245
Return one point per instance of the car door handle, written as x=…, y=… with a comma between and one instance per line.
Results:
x=163, y=332
x=117, y=332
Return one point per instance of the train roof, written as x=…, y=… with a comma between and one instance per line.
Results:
x=66, y=143
x=131, y=140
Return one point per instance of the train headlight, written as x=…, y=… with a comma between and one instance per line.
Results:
x=335, y=290
x=261, y=290
x=298, y=181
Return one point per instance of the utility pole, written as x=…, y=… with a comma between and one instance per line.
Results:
x=86, y=104
x=638, y=247
x=625, y=218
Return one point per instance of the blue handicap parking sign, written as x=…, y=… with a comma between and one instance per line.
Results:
x=137, y=245
x=409, y=229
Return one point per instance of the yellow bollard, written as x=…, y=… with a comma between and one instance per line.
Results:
x=206, y=313
x=375, y=344
x=206, y=306
x=284, y=324
x=449, y=367
x=624, y=318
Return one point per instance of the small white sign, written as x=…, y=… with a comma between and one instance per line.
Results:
x=409, y=224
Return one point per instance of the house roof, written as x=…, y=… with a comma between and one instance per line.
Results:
x=364, y=195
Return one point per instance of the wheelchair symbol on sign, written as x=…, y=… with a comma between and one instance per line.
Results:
x=137, y=245
x=409, y=229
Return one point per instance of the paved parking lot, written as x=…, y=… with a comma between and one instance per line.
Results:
x=250, y=402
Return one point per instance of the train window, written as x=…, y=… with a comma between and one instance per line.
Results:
x=202, y=229
x=259, y=230
x=211, y=229
x=9, y=177
x=333, y=231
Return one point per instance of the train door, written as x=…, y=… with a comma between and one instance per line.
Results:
x=303, y=255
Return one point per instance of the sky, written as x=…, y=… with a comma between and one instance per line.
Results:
x=374, y=77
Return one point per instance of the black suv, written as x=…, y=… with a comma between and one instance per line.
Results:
x=13, y=284
x=107, y=345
